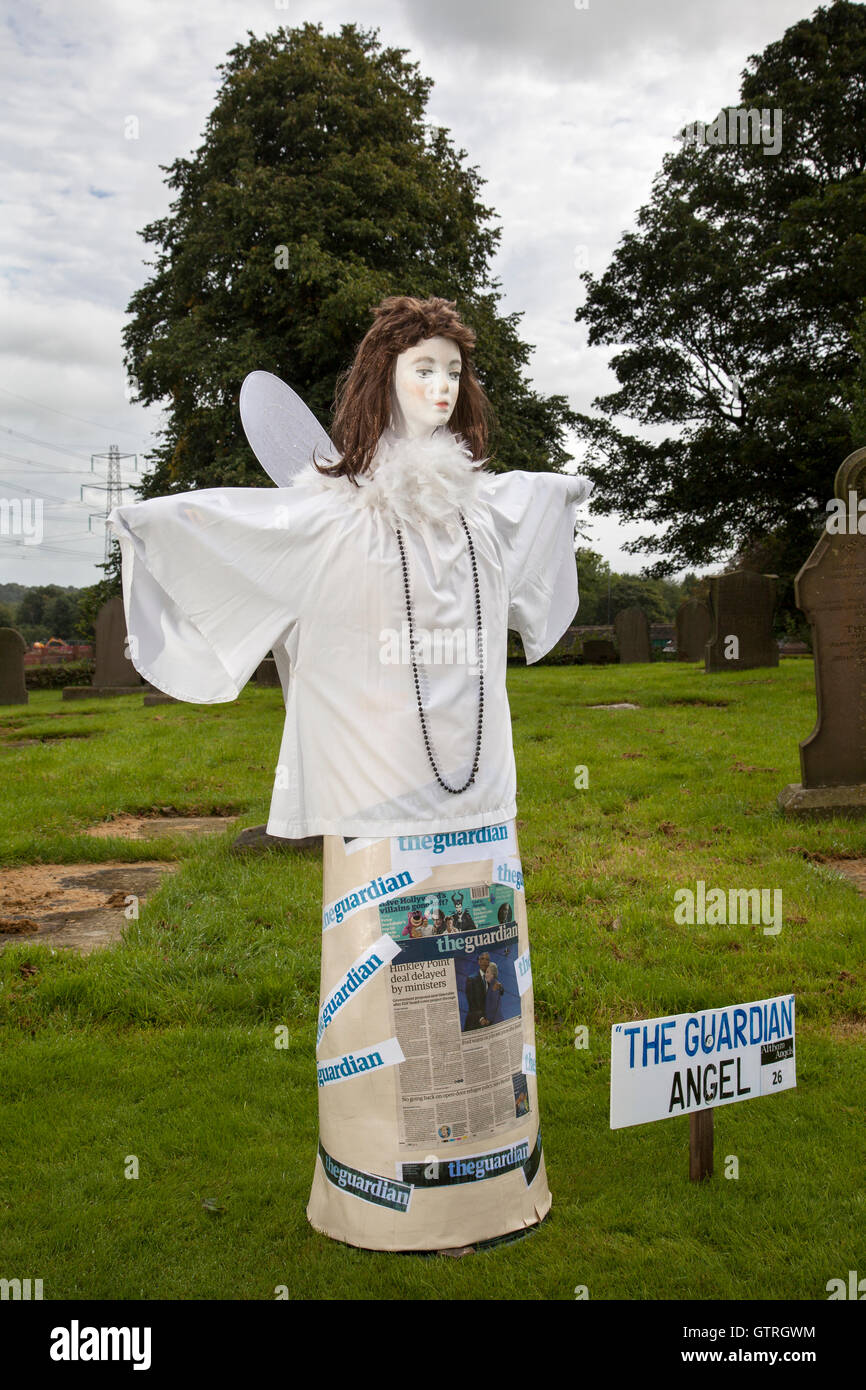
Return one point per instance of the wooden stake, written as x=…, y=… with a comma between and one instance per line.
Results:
x=701, y=1144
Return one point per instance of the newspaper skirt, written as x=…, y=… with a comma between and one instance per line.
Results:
x=428, y=1103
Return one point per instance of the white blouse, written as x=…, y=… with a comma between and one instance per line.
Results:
x=215, y=578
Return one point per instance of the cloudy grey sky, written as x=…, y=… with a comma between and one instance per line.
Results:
x=566, y=106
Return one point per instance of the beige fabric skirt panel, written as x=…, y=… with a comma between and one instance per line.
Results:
x=428, y=1103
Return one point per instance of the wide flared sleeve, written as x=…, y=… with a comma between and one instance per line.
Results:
x=212, y=579
x=534, y=516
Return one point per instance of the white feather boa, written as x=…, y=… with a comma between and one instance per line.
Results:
x=412, y=481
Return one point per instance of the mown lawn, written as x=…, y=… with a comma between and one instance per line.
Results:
x=163, y=1048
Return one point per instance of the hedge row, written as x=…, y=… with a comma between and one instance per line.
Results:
x=64, y=673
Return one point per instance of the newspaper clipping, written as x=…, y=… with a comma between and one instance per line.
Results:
x=457, y=1011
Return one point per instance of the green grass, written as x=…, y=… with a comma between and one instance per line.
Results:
x=163, y=1048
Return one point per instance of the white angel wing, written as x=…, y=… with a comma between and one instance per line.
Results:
x=281, y=430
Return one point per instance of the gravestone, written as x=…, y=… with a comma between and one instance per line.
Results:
x=114, y=673
x=694, y=629
x=632, y=635
x=13, y=690
x=831, y=591
x=113, y=666
x=741, y=607
x=256, y=840
x=266, y=672
x=661, y=635
x=599, y=651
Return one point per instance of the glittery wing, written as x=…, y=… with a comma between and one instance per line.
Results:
x=281, y=430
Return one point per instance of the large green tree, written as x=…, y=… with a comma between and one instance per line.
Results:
x=603, y=592
x=319, y=188
x=732, y=307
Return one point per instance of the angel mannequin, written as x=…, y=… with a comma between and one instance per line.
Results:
x=384, y=571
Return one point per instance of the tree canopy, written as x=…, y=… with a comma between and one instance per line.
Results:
x=603, y=592
x=319, y=188
x=732, y=306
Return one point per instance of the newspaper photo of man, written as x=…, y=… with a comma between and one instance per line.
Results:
x=488, y=989
x=476, y=994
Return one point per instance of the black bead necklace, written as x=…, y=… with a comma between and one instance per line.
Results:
x=455, y=791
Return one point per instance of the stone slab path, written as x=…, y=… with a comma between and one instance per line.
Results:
x=75, y=906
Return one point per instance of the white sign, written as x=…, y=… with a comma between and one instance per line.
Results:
x=671, y=1066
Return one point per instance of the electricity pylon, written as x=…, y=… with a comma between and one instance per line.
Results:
x=113, y=488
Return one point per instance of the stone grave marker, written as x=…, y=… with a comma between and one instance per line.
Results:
x=256, y=840
x=741, y=605
x=694, y=629
x=266, y=672
x=632, y=635
x=13, y=690
x=113, y=666
x=115, y=673
x=831, y=591
x=599, y=651
x=661, y=634
x=82, y=907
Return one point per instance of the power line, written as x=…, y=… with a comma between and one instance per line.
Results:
x=109, y=429
x=50, y=542
x=37, y=550
x=46, y=444
x=28, y=492
x=72, y=535
x=61, y=555
x=44, y=546
x=18, y=458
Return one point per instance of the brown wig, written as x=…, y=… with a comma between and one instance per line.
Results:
x=362, y=401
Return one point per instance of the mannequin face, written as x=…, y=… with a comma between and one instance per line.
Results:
x=425, y=387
